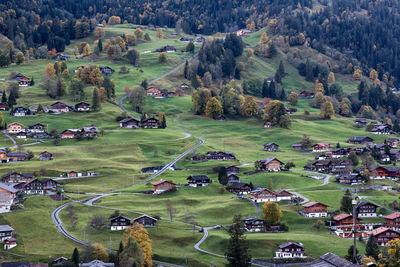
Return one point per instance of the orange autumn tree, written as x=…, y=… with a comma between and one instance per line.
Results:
x=141, y=236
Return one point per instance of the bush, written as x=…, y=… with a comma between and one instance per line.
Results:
x=283, y=227
x=98, y=222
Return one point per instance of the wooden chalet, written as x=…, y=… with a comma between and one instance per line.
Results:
x=366, y=209
x=82, y=107
x=283, y=195
x=16, y=177
x=263, y=195
x=60, y=107
x=20, y=112
x=119, y=223
x=350, y=179
x=162, y=186
x=377, y=172
x=21, y=135
x=393, y=173
x=219, y=155
x=338, y=153
x=73, y=174
x=16, y=157
x=49, y=184
x=382, y=129
x=59, y=261
x=15, y=127
x=45, y=155
x=130, y=123
x=97, y=263
x=149, y=123
x=271, y=164
x=271, y=147
x=306, y=94
x=315, y=210
x=254, y=224
x=360, y=140
x=106, y=70
x=5, y=232
x=22, y=80
x=392, y=142
x=360, y=122
x=321, y=147
x=90, y=131
x=69, y=134
x=232, y=170
x=146, y=221
x=297, y=147
x=37, y=128
x=383, y=235
x=330, y=260
x=239, y=188
x=198, y=180
x=153, y=91
x=233, y=178
x=34, y=187
x=3, y=106
x=7, y=197
x=9, y=243
x=393, y=221
x=345, y=221
x=290, y=250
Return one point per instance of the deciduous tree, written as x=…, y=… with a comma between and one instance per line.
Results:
x=272, y=213
x=249, y=107
x=141, y=237
x=160, y=33
x=213, y=108
x=327, y=111
x=162, y=57
x=99, y=253
x=293, y=98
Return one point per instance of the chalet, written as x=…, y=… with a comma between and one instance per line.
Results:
x=306, y=94
x=320, y=166
x=382, y=129
x=34, y=187
x=45, y=155
x=338, y=153
x=146, y=221
x=60, y=107
x=43, y=135
x=171, y=94
x=130, y=123
x=7, y=196
x=271, y=164
x=186, y=39
x=198, y=180
x=360, y=140
x=34, y=109
x=10, y=243
x=263, y=195
x=106, y=70
x=15, y=127
x=22, y=79
x=383, y=235
x=395, y=154
x=3, y=106
x=37, y=128
x=166, y=48
x=15, y=177
x=21, y=135
x=379, y=147
x=233, y=178
x=90, y=132
x=377, y=172
x=82, y=107
x=340, y=166
x=69, y=134
x=59, y=261
x=239, y=188
x=360, y=122
x=232, y=170
x=16, y=157
x=385, y=157
x=350, y=179
x=392, y=142
x=119, y=223
x=393, y=172
x=283, y=195
x=321, y=147
x=271, y=147
x=290, y=250
x=149, y=123
x=366, y=209
x=330, y=260
x=254, y=224
x=162, y=94
x=162, y=186
x=61, y=57
x=73, y=174
x=243, y=32
x=49, y=184
x=96, y=263
x=315, y=209
x=297, y=147
x=219, y=155
x=20, y=112
x=393, y=221
x=5, y=232
x=184, y=85
x=268, y=124
x=153, y=91
x=344, y=221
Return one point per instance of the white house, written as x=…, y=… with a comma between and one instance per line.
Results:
x=290, y=250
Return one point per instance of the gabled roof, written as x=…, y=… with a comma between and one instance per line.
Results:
x=393, y=216
x=270, y=144
x=341, y=217
x=359, y=138
x=5, y=228
x=238, y=185
x=144, y=215
x=8, y=188
x=380, y=230
x=365, y=203
x=128, y=119
x=26, y=175
x=198, y=177
x=252, y=219
x=313, y=203
x=279, y=192
x=36, y=124
x=291, y=243
x=268, y=160
x=120, y=216
x=330, y=260
x=162, y=181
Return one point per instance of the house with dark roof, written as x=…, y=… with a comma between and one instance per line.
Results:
x=263, y=195
x=97, y=263
x=232, y=170
x=82, y=107
x=270, y=164
x=130, y=123
x=146, y=221
x=360, y=122
x=61, y=107
x=16, y=177
x=149, y=123
x=45, y=155
x=321, y=147
x=290, y=250
x=271, y=147
x=20, y=112
x=5, y=232
x=330, y=260
x=198, y=180
x=59, y=261
x=315, y=210
x=219, y=155
x=119, y=223
x=350, y=179
x=233, y=178
x=392, y=142
x=366, y=209
x=252, y=224
x=297, y=147
x=90, y=131
x=306, y=94
x=9, y=243
x=37, y=128
x=360, y=140
x=106, y=70
x=239, y=188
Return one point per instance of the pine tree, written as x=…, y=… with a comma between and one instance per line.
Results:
x=309, y=72
x=11, y=99
x=96, y=100
x=75, y=257
x=265, y=89
x=223, y=176
x=281, y=69
x=345, y=203
x=32, y=82
x=237, y=253
x=100, y=45
x=372, y=248
x=186, y=70
x=4, y=98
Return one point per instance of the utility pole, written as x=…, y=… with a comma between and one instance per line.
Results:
x=354, y=203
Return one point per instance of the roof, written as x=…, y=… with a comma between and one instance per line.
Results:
x=379, y=230
x=330, y=260
x=365, y=203
x=96, y=263
x=268, y=160
x=359, y=138
x=27, y=175
x=282, y=191
x=144, y=215
x=392, y=216
x=15, y=264
x=128, y=119
x=198, y=177
x=90, y=129
x=270, y=144
x=291, y=243
x=341, y=217
x=120, y=216
x=162, y=181
x=8, y=188
x=45, y=180
x=4, y=228
x=252, y=219
x=312, y=203
x=238, y=185
x=36, y=124
x=14, y=123
x=321, y=144
x=16, y=155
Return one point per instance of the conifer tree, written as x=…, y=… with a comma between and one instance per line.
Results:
x=96, y=100
x=223, y=176
x=372, y=248
x=75, y=257
x=238, y=254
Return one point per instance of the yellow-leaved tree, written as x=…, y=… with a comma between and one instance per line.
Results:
x=272, y=213
x=213, y=108
x=141, y=237
x=50, y=71
x=264, y=38
x=327, y=111
x=357, y=75
x=160, y=33
x=99, y=253
x=249, y=107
